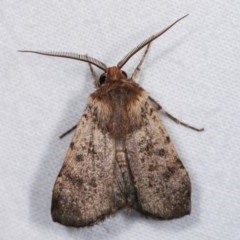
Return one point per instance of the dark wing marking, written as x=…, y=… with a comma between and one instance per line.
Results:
x=162, y=184
x=87, y=188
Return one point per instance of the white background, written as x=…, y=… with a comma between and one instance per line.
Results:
x=193, y=71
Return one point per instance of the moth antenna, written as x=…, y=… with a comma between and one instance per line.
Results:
x=70, y=55
x=146, y=42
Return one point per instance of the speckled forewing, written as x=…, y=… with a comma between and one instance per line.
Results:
x=87, y=187
x=161, y=182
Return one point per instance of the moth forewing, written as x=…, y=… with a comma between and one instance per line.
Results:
x=84, y=189
x=162, y=184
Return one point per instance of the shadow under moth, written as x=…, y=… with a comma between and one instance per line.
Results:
x=121, y=156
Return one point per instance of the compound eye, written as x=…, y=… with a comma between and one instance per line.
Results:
x=124, y=73
x=102, y=78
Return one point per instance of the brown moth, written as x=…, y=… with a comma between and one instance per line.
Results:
x=121, y=156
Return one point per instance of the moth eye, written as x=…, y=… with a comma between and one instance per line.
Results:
x=102, y=78
x=124, y=73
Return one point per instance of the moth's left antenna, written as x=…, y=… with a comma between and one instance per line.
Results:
x=70, y=55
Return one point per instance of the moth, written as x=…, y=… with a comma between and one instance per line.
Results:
x=121, y=156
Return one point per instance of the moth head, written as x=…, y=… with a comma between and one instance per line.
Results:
x=110, y=73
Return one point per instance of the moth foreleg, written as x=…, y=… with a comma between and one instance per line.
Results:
x=94, y=75
x=138, y=68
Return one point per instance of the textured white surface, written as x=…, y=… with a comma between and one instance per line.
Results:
x=193, y=71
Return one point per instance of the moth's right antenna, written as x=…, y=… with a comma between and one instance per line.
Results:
x=146, y=42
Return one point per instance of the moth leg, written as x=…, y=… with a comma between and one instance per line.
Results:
x=158, y=107
x=96, y=84
x=138, y=68
x=94, y=75
x=68, y=131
